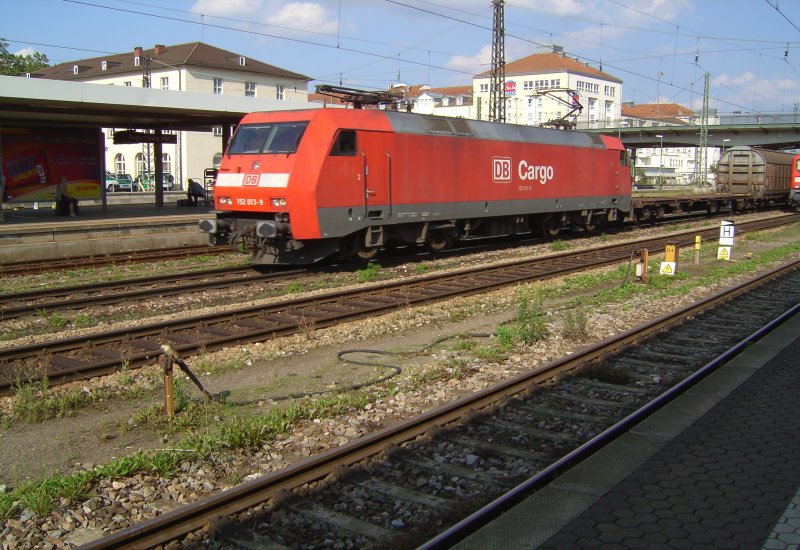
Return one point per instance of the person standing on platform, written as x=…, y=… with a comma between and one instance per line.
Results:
x=67, y=204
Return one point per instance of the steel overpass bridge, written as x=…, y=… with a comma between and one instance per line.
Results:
x=773, y=135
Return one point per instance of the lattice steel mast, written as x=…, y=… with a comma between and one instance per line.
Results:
x=701, y=168
x=497, y=101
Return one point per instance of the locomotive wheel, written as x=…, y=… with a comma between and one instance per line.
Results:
x=598, y=223
x=438, y=241
x=366, y=253
x=551, y=226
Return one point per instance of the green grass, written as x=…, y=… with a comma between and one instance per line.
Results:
x=34, y=402
x=370, y=273
x=530, y=324
x=43, y=497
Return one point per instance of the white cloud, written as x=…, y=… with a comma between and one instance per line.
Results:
x=746, y=91
x=305, y=16
x=476, y=63
x=25, y=52
x=227, y=8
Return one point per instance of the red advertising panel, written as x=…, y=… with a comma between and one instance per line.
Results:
x=35, y=159
x=511, y=87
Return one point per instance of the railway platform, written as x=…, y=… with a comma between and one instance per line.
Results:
x=36, y=234
x=718, y=467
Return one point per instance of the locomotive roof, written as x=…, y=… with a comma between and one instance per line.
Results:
x=446, y=126
x=411, y=123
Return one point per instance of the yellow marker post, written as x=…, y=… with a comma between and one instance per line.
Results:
x=697, y=241
x=670, y=264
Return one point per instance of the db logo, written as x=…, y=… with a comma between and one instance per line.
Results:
x=501, y=169
x=251, y=179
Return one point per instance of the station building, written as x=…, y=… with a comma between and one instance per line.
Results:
x=193, y=67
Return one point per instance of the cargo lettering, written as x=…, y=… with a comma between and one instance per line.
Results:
x=532, y=172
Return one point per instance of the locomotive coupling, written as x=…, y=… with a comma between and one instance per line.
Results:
x=270, y=229
x=214, y=226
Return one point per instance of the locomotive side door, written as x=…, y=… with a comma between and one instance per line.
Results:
x=375, y=174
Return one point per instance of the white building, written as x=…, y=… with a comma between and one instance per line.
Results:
x=452, y=101
x=194, y=67
x=537, y=86
x=667, y=165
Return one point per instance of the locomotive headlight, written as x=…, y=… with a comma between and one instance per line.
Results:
x=225, y=200
x=278, y=202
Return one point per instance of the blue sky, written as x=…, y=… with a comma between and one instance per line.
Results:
x=658, y=48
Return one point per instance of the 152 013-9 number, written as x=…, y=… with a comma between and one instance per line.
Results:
x=250, y=202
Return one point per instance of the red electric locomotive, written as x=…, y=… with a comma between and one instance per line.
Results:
x=794, y=190
x=295, y=187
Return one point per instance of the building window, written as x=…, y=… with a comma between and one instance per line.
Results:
x=527, y=85
x=140, y=167
x=279, y=91
x=445, y=101
x=459, y=100
x=119, y=163
x=483, y=88
x=165, y=83
x=128, y=83
x=166, y=163
x=609, y=110
x=218, y=86
x=609, y=90
x=250, y=89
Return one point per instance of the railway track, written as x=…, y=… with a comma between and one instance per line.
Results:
x=75, y=358
x=38, y=302
x=429, y=481
x=84, y=262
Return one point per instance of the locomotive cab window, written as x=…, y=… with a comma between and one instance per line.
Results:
x=624, y=158
x=275, y=138
x=345, y=144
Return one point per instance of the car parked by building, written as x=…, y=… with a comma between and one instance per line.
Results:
x=120, y=182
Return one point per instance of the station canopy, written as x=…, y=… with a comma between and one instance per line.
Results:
x=31, y=101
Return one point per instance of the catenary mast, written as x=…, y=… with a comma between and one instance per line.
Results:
x=497, y=102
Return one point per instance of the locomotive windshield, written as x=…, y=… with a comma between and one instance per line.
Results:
x=275, y=138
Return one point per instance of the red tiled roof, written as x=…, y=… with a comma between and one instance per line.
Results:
x=192, y=53
x=544, y=63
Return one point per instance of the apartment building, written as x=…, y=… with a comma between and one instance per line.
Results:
x=192, y=67
x=537, y=91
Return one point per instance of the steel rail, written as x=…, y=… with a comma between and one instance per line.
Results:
x=133, y=256
x=261, y=322
x=179, y=522
x=120, y=291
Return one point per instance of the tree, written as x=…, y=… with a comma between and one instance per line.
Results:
x=16, y=65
